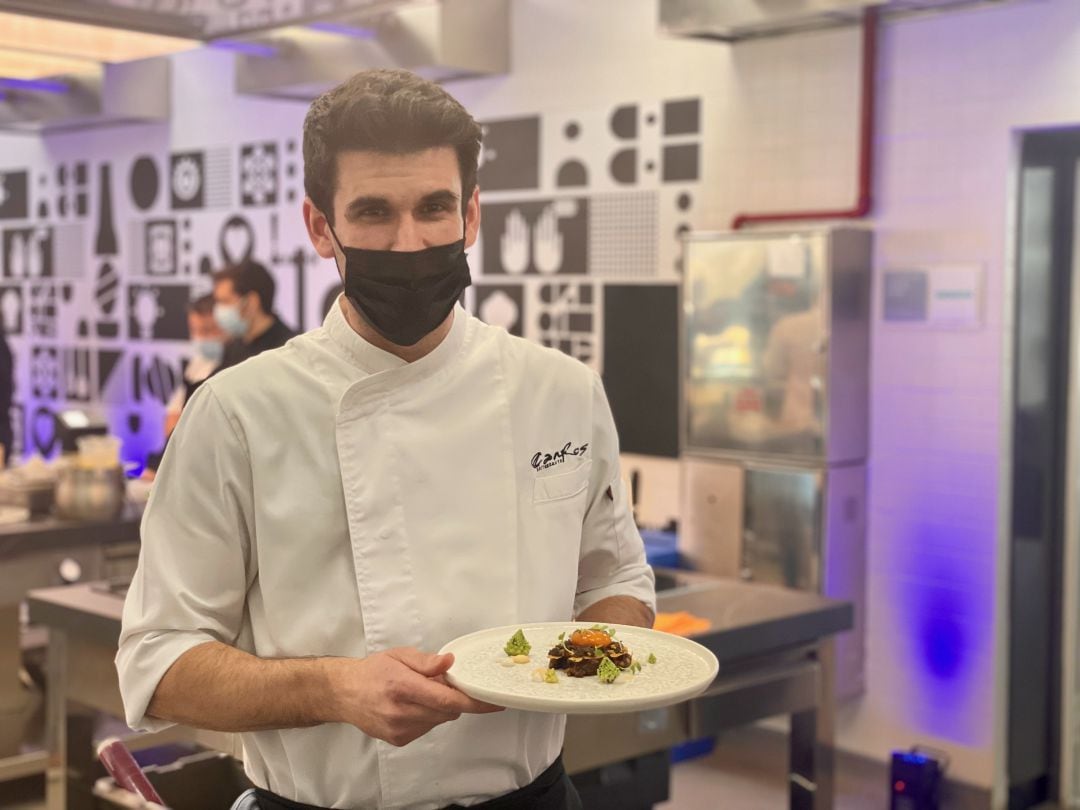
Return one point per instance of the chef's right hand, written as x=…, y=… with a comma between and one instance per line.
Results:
x=400, y=695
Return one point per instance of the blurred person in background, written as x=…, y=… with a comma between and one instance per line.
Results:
x=7, y=390
x=244, y=309
x=207, y=352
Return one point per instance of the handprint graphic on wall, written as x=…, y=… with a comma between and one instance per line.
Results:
x=545, y=237
x=547, y=242
x=514, y=244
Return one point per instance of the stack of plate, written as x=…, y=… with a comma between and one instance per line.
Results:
x=30, y=487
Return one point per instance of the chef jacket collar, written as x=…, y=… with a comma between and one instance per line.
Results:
x=372, y=359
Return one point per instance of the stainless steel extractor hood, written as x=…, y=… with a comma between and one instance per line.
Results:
x=192, y=19
x=442, y=41
x=111, y=94
x=734, y=20
x=285, y=48
x=739, y=19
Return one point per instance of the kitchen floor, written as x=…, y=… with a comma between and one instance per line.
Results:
x=748, y=771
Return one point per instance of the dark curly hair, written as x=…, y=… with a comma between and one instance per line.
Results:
x=391, y=111
x=250, y=276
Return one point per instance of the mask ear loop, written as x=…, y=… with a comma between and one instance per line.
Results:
x=340, y=246
x=334, y=235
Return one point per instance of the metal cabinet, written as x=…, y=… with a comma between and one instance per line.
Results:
x=774, y=414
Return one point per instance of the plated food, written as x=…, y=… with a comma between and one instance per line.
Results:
x=583, y=652
x=579, y=668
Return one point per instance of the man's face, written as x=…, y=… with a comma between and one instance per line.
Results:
x=395, y=202
x=204, y=327
x=226, y=295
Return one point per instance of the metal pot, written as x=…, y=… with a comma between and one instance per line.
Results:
x=90, y=493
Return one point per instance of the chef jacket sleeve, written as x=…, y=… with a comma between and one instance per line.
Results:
x=612, y=560
x=195, y=562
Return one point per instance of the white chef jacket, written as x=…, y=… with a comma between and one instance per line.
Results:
x=328, y=498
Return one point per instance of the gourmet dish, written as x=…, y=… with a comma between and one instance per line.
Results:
x=584, y=653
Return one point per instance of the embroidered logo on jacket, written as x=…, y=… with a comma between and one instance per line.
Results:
x=545, y=461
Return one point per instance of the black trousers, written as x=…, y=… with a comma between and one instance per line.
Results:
x=552, y=790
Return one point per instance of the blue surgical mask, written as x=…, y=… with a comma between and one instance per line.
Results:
x=212, y=350
x=228, y=317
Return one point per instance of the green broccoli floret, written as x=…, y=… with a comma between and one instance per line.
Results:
x=608, y=672
x=518, y=644
x=652, y=658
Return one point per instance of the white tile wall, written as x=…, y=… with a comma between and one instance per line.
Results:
x=953, y=91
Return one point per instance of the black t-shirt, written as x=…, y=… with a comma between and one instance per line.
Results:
x=237, y=351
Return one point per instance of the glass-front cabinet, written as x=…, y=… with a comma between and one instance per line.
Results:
x=764, y=371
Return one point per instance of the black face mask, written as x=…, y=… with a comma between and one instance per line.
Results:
x=405, y=295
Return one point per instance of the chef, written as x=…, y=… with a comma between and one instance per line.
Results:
x=401, y=476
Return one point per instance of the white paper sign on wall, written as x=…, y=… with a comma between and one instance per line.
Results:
x=937, y=296
x=956, y=296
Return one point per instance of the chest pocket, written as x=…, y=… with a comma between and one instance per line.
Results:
x=564, y=485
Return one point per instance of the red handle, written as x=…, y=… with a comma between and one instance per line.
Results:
x=123, y=768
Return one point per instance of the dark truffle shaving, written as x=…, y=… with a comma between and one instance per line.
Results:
x=583, y=662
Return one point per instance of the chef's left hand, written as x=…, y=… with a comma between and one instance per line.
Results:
x=398, y=695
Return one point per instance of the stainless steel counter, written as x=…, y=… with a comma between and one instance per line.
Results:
x=84, y=629
x=49, y=532
x=771, y=644
x=32, y=554
x=751, y=619
x=775, y=651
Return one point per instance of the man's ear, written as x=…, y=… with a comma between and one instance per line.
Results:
x=318, y=229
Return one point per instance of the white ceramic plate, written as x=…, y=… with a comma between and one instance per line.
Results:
x=683, y=669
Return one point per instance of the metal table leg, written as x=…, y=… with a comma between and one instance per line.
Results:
x=12, y=695
x=802, y=776
x=56, y=721
x=810, y=777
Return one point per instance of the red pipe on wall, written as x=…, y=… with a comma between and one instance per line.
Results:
x=866, y=142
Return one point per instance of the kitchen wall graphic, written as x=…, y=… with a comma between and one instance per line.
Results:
x=502, y=305
x=101, y=251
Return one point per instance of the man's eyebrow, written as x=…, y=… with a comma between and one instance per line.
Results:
x=441, y=196
x=354, y=207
